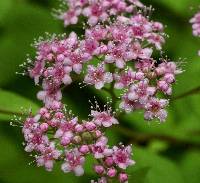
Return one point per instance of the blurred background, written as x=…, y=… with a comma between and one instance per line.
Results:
x=168, y=152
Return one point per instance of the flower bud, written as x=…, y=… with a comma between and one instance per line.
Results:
x=65, y=141
x=59, y=115
x=44, y=127
x=99, y=169
x=84, y=149
x=123, y=177
x=79, y=128
x=112, y=172
x=87, y=136
x=77, y=139
x=109, y=161
x=90, y=126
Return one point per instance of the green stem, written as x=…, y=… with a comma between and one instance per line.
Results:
x=188, y=93
x=143, y=138
x=3, y=111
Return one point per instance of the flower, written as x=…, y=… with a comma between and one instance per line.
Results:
x=49, y=155
x=122, y=156
x=141, y=92
x=155, y=109
x=73, y=162
x=104, y=119
x=116, y=51
x=98, y=76
x=100, y=148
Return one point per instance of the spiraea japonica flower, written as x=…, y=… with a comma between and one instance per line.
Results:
x=95, y=10
x=116, y=52
x=53, y=135
x=98, y=76
x=122, y=61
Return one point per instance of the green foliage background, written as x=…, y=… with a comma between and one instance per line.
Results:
x=175, y=159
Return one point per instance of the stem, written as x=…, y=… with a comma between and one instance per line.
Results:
x=112, y=94
x=188, y=93
x=143, y=138
x=3, y=111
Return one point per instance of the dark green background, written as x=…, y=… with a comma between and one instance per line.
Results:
x=159, y=160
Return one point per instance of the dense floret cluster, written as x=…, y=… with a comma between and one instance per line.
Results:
x=55, y=135
x=116, y=50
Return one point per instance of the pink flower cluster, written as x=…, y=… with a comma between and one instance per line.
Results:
x=96, y=10
x=123, y=50
x=195, y=21
x=54, y=136
x=115, y=51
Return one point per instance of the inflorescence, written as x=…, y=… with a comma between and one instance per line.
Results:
x=116, y=49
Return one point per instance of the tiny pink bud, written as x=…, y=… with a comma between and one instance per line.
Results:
x=47, y=115
x=112, y=172
x=90, y=126
x=163, y=85
x=60, y=57
x=84, y=149
x=44, y=127
x=43, y=111
x=169, y=78
x=98, y=133
x=103, y=48
x=65, y=141
x=99, y=169
x=59, y=115
x=109, y=161
x=56, y=105
x=123, y=177
x=50, y=57
x=79, y=128
x=52, y=123
x=139, y=75
x=41, y=95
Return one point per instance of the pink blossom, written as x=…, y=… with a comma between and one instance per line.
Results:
x=129, y=105
x=123, y=177
x=95, y=12
x=112, y=172
x=104, y=119
x=141, y=92
x=98, y=76
x=73, y=162
x=99, y=169
x=124, y=80
x=155, y=109
x=71, y=16
x=100, y=149
x=47, y=157
x=117, y=54
x=122, y=156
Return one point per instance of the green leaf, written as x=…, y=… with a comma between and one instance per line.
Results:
x=139, y=176
x=4, y=8
x=26, y=23
x=153, y=168
x=190, y=166
x=181, y=7
x=11, y=103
